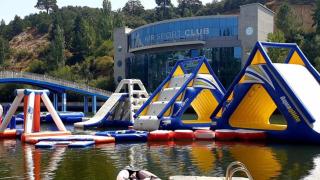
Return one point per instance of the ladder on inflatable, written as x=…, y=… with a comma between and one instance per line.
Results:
x=119, y=109
x=190, y=83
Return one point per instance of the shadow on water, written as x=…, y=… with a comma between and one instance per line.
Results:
x=265, y=161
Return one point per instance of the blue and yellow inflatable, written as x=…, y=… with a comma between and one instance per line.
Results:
x=262, y=87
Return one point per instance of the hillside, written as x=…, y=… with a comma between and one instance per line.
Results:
x=303, y=12
x=26, y=47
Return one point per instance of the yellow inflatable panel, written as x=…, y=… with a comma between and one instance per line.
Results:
x=296, y=59
x=258, y=58
x=178, y=71
x=255, y=110
x=204, y=69
x=204, y=105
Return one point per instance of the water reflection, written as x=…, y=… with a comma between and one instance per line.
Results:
x=164, y=159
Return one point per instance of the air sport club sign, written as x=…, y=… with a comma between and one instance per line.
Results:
x=153, y=38
x=176, y=35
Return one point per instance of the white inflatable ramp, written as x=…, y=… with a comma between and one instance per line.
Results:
x=107, y=107
x=305, y=87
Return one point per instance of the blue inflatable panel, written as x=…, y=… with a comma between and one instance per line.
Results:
x=126, y=135
x=51, y=144
x=81, y=144
x=70, y=144
x=67, y=138
x=67, y=117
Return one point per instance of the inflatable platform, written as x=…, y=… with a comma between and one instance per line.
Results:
x=126, y=135
x=262, y=87
x=119, y=109
x=191, y=87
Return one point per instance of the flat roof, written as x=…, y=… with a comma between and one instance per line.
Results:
x=182, y=19
x=260, y=5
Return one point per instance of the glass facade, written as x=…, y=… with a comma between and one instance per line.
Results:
x=153, y=68
x=184, y=30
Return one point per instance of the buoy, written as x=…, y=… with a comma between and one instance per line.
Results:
x=184, y=135
x=160, y=135
x=225, y=134
x=244, y=134
x=204, y=134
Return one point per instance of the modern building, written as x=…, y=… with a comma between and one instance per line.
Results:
x=150, y=51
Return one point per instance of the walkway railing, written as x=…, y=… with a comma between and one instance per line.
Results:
x=53, y=80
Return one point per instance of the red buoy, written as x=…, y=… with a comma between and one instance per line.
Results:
x=225, y=134
x=244, y=134
x=204, y=134
x=160, y=135
x=184, y=135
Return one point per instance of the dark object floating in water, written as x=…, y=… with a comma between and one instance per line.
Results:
x=130, y=172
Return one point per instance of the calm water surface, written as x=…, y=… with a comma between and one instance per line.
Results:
x=265, y=161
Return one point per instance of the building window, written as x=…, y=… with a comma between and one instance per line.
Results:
x=119, y=78
x=119, y=63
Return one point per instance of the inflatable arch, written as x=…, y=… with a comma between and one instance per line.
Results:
x=262, y=87
x=191, y=83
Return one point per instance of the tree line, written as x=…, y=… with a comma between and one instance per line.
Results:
x=81, y=49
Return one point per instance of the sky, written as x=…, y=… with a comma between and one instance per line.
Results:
x=10, y=8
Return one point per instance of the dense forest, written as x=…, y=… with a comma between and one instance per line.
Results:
x=75, y=43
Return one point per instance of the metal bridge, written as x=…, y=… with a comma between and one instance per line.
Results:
x=55, y=85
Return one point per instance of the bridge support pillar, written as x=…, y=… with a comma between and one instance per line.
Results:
x=55, y=101
x=64, y=102
x=94, y=104
x=85, y=104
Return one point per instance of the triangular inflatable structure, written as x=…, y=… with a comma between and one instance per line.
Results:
x=263, y=86
x=190, y=83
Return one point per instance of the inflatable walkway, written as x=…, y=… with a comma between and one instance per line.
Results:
x=119, y=109
x=263, y=86
x=191, y=87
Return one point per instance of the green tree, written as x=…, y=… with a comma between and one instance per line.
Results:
x=188, y=7
x=106, y=7
x=15, y=27
x=316, y=16
x=57, y=46
x=133, y=8
x=84, y=38
x=37, y=66
x=2, y=27
x=4, y=49
x=47, y=5
x=286, y=21
x=277, y=54
x=118, y=19
x=106, y=21
x=164, y=9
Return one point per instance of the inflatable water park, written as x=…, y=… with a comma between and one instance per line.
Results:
x=241, y=113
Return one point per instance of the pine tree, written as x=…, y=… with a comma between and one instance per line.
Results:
x=46, y=5
x=57, y=46
x=316, y=16
x=133, y=8
x=106, y=22
x=4, y=49
x=84, y=38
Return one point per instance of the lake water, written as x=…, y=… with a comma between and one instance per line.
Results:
x=265, y=161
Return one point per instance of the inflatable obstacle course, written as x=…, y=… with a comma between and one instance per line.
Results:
x=119, y=109
x=32, y=131
x=191, y=85
x=262, y=87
